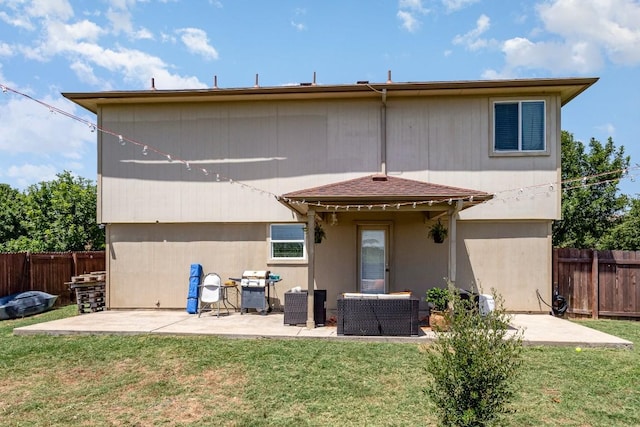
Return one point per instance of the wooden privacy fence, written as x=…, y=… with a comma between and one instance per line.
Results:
x=598, y=283
x=46, y=272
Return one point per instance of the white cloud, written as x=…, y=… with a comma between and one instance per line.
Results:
x=298, y=26
x=557, y=57
x=60, y=38
x=408, y=13
x=472, y=39
x=295, y=21
x=26, y=174
x=455, y=5
x=34, y=129
x=142, y=34
x=122, y=22
x=580, y=37
x=50, y=9
x=6, y=49
x=85, y=73
x=414, y=5
x=16, y=21
x=166, y=80
x=607, y=128
x=612, y=26
x=39, y=142
x=197, y=42
x=78, y=42
x=409, y=22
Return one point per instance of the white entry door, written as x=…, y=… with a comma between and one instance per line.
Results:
x=373, y=259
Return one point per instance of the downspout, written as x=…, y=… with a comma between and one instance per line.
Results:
x=453, y=213
x=383, y=134
x=310, y=240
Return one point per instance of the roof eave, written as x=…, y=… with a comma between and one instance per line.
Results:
x=567, y=88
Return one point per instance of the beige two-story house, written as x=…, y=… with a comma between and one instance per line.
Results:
x=238, y=179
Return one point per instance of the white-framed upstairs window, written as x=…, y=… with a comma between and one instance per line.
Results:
x=519, y=127
x=287, y=241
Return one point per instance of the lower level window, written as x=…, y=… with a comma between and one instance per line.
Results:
x=287, y=241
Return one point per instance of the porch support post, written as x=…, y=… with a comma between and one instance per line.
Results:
x=310, y=242
x=453, y=261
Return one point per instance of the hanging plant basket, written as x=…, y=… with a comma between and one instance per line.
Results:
x=319, y=234
x=438, y=232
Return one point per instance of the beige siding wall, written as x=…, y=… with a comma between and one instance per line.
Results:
x=269, y=149
x=149, y=263
x=162, y=217
x=513, y=257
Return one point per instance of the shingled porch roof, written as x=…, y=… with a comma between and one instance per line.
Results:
x=379, y=191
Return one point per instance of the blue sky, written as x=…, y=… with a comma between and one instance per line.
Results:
x=53, y=46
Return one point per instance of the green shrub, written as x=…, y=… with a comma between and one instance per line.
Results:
x=474, y=365
x=438, y=298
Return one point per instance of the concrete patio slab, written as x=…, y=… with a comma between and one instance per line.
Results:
x=538, y=329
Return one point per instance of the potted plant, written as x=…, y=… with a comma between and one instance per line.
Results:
x=438, y=300
x=319, y=233
x=438, y=232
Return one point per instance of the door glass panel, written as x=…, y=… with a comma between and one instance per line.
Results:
x=372, y=261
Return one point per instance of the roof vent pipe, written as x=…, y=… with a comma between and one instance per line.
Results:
x=389, y=81
x=314, y=79
x=215, y=82
x=153, y=83
x=257, y=84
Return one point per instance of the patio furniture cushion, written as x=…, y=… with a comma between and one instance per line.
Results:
x=357, y=295
x=386, y=316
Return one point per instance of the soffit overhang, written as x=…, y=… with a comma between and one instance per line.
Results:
x=566, y=88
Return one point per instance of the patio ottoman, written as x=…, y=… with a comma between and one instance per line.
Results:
x=295, y=307
x=380, y=315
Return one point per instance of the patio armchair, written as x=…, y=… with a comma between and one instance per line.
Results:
x=378, y=314
x=295, y=307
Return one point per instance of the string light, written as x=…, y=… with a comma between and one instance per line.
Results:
x=121, y=139
x=145, y=150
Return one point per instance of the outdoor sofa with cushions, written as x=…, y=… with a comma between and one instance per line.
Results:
x=378, y=314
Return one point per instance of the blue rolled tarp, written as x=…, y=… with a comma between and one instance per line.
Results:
x=195, y=276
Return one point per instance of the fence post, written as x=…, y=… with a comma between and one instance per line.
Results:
x=554, y=271
x=595, y=286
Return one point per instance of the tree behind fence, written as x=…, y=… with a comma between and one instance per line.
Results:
x=46, y=272
x=598, y=283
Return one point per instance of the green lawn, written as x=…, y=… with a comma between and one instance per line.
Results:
x=154, y=380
